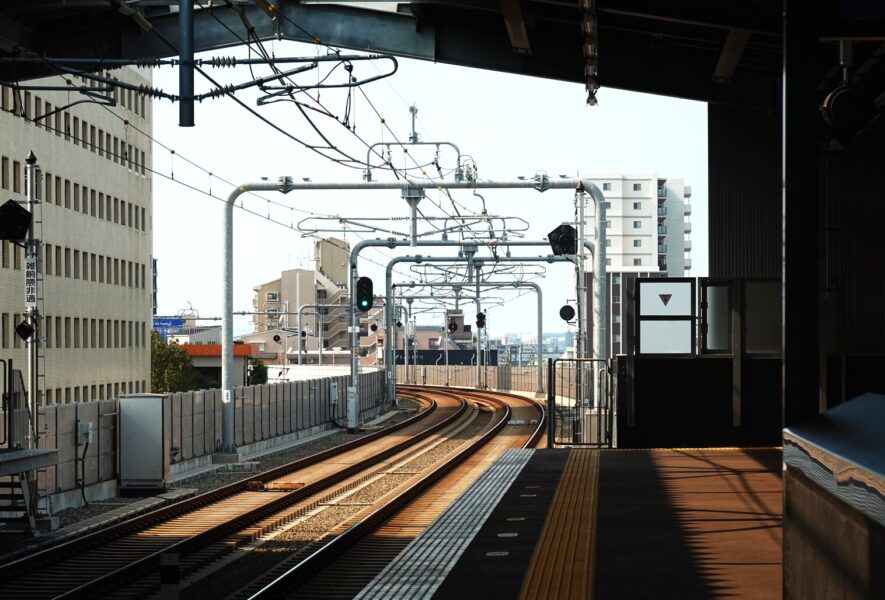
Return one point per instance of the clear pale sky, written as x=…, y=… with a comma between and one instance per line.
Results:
x=510, y=125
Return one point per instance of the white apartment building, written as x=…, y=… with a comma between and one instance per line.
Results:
x=648, y=234
x=648, y=224
x=94, y=221
x=276, y=304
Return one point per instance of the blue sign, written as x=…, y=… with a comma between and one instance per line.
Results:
x=166, y=325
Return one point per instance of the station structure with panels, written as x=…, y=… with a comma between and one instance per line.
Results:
x=767, y=480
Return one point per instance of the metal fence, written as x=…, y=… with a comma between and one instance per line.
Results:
x=580, y=403
x=16, y=425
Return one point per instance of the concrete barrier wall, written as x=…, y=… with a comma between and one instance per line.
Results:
x=193, y=426
x=505, y=377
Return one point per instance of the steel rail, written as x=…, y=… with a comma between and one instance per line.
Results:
x=50, y=556
x=334, y=548
x=151, y=562
x=542, y=410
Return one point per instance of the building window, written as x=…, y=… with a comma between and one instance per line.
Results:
x=637, y=187
x=273, y=296
x=637, y=224
x=608, y=262
x=616, y=278
x=606, y=187
x=637, y=205
x=608, y=224
x=608, y=242
x=607, y=205
x=637, y=243
x=637, y=262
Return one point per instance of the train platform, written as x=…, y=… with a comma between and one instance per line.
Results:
x=580, y=523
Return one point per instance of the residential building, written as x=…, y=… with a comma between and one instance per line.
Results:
x=648, y=224
x=648, y=234
x=276, y=302
x=93, y=219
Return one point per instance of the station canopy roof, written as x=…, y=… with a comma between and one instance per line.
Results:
x=725, y=52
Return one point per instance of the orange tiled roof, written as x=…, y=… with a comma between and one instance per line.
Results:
x=208, y=350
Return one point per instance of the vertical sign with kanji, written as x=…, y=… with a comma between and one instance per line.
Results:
x=30, y=282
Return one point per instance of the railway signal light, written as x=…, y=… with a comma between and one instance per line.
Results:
x=480, y=320
x=364, y=295
x=453, y=326
x=24, y=330
x=15, y=222
x=566, y=313
x=563, y=240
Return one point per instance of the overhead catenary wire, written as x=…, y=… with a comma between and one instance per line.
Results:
x=268, y=58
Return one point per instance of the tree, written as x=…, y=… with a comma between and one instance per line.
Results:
x=257, y=374
x=172, y=370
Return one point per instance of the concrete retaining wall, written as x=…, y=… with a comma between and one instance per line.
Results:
x=193, y=426
x=505, y=377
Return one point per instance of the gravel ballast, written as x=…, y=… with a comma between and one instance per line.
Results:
x=215, y=479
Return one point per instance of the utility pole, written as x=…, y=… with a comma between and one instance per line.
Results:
x=32, y=294
x=446, y=333
x=409, y=330
x=581, y=290
x=478, y=332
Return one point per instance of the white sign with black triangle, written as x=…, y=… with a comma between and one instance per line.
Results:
x=665, y=298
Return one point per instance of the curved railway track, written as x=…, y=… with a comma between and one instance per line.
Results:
x=92, y=565
x=207, y=533
x=343, y=564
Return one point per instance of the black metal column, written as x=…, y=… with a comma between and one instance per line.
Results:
x=801, y=246
x=186, y=63
x=551, y=403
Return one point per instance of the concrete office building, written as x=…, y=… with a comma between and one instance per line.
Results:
x=94, y=221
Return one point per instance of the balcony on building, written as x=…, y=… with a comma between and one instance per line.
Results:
x=686, y=244
x=687, y=192
x=687, y=208
x=662, y=211
x=662, y=230
x=687, y=263
x=687, y=227
x=662, y=193
x=662, y=248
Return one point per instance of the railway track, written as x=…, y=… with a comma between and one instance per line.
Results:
x=344, y=562
x=294, y=515
x=94, y=565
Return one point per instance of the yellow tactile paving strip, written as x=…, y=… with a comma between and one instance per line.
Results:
x=563, y=559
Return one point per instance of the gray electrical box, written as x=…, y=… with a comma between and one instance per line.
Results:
x=144, y=447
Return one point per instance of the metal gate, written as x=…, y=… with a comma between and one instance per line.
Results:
x=579, y=402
